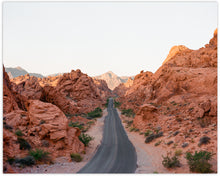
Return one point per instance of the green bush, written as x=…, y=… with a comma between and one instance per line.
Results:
x=117, y=104
x=178, y=152
x=75, y=124
x=26, y=161
x=132, y=129
x=23, y=144
x=96, y=113
x=106, y=104
x=129, y=123
x=39, y=154
x=170, y=162
x=128, y=112
x=85, y=138
x=90, y=122
x=10, y=160
x=199, y=161
x=76, y=157
x=158, y=143
x=148, y=132
x=19, y=133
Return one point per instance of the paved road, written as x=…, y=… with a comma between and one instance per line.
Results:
x=116, y=153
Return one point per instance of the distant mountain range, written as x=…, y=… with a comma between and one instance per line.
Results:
x=112, y=79
x=18, y=71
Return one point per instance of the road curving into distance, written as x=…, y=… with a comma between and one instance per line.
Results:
x=116, y=153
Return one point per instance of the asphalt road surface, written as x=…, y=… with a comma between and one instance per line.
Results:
x=116, y=153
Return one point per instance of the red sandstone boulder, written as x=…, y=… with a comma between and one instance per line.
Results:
x=51, y=95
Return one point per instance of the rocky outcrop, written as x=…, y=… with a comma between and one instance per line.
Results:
x=81, y=88
x=37, y=113
x=180, y=95
x=123, y=87
x=43, y=126
x=103, y=89
x=9, y=103
x=174, y=51
x=27, y=86
x=52, y=95
x=49, y=81
x=11, y=100
x=72, y=92
x=140, y=90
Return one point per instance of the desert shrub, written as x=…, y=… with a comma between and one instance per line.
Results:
x=204, y=140
x=85, y=138
x=23, y=144
x=75, y=124
x=8, y=127
x=19, y=133
x=148, y=132
x=76, y=157
x=170, y=162
x=158, y=143
x=128, y=112
x=106, y=104
x=26, y=161
x=132, y=129
x=10, y=160
x=129, y=122
x=90, y=122
x=117, y=104
x=136, y=130
x=96, y=113
x=178, y=152
x=199, y=161
x=173, y=102
x=39, y=154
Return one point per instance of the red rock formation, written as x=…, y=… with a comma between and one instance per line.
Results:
x=181, y=96
x=11, y=100
x=27, y=86
x=51, y=95
x=123, y=87
x=81, y=88
x=138, y=92
x=103, y=89
x=174, y=51
x=9, y=103
x=49, y=81
x=43, y=126
x=49, y=123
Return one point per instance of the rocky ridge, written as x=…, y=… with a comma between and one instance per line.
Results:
x=39, y=110
x=181, y=96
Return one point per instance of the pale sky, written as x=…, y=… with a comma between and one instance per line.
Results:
x=124, y=37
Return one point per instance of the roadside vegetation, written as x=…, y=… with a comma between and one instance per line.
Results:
x=170, y=161
x=85, y=138
x=107, y=101
x=128, y=112
x=199, y=161
x=33, y=157
x=96, y=113
x=39, y=155
x=117, y=104
x=76, y=157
